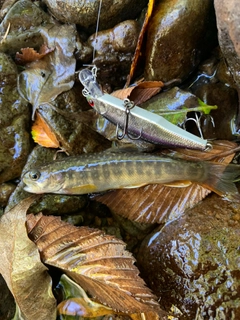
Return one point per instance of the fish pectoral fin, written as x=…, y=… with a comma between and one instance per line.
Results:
x=83, y=189
x=178, y=184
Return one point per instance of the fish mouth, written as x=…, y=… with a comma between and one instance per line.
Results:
x=30, y=190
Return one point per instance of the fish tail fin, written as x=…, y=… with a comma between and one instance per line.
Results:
x=221, y=180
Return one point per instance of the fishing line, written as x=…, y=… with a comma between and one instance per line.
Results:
x=95, y=39
x=97, y=26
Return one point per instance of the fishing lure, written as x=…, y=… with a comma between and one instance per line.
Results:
x=135, y=122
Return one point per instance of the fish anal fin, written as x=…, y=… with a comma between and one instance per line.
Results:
x=178, y=184
x=174, y=184
x=133, y=186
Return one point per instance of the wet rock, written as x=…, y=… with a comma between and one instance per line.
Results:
x=72, y=133
x=133, y=232
x=213, y=83
x=25, y=18
x=215, y=69
x=224, y=74
x=175, y=38
x=6, y=190
x=192, y=263
x=171, y=100
x=5, y=5
x=59, y=204
x=14, y=117
x=228, y=15
x=7, y=304
x=84, y=51
x=114, y=51
x=226, y=98
x=85, y=13
x=177, y=106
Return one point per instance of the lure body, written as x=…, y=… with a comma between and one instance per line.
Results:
x=103, y=171
x=141, y=123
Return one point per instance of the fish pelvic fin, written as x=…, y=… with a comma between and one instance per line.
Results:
x=221, y=180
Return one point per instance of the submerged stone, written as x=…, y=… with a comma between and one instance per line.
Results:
x=85, y=13
x=175, y=38
x=192, y=263
x=14, y=119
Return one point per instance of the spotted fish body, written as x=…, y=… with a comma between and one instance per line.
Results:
x=104, y=171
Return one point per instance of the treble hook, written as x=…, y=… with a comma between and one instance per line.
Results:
x=128, y=106
x=198, y=123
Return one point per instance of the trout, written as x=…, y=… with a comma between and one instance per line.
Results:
x=90, y=173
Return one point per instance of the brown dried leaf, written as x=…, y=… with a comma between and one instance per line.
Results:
x=157, y=203
x=222, y=151
x=140, y=93
x=153, y=203
x=98, y=262
x=30, y=55
x=20, y=266
x=137, y=53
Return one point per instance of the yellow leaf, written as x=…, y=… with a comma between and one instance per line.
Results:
x=77, y=303
x=42, y=133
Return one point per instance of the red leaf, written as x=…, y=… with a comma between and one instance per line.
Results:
x=30, y=55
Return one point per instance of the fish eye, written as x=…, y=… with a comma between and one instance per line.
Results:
x=34, y=175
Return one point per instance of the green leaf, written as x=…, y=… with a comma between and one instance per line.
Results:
x=175, y=104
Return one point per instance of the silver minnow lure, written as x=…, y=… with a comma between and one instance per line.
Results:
x=140, y=123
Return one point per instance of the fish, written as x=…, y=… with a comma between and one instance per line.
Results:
x=134, y=121
x=99, y=172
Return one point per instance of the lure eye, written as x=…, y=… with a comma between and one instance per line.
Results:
x=91, y=102
x=34, y=175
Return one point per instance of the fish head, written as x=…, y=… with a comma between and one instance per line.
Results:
x=41, y=181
